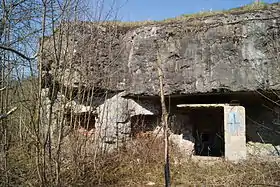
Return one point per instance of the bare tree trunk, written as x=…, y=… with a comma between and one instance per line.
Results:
x=41, y=168
x=5, y=81
x=164, y=119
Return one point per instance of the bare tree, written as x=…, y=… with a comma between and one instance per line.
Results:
x=164, y=119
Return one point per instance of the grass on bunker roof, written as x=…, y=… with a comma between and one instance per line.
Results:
x=256, y=6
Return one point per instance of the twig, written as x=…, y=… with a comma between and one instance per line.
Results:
x=2, y=116
x=278, y=153
x=266, y=97
x=257, y=123
x=1, y=89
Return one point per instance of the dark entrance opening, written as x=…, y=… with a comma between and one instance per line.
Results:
x=208, y=130
x=143, y=123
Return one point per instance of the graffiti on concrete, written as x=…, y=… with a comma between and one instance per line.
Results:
x=236, y=128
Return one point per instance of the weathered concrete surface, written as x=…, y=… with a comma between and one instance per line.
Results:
x=181, y=133
x=52, y=119
x=112, y=125
x=185, y=143
x=182, y=139
x=257, y=149
x=236, y=52
x=235, y=135
x=113, y=117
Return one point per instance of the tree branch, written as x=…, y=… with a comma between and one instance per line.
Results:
x=2, y=89
x=2, y=116
x=15, y=51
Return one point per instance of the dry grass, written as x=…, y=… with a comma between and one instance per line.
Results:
x=142, y=162
x=251, y=172
x=123, y=27
x=247, y=8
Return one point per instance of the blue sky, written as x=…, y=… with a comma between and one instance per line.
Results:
x=139, y=10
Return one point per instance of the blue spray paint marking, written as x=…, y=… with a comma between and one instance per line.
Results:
x=234, y=123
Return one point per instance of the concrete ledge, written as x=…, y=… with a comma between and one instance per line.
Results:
x=202, y=105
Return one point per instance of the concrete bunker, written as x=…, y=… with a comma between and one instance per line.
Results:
x=200, y=73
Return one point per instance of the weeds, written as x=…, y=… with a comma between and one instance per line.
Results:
x=141, y=162
x=247, y=8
